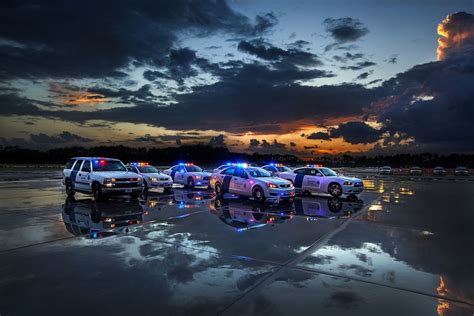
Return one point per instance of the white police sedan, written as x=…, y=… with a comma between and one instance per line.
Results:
x=277, y=168
x=189, y=175
x=252, y=182
x=152, y=177
x=317, y=179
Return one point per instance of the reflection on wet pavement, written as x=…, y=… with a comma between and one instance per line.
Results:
x=398, y=242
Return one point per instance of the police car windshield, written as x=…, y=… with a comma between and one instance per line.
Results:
x=283, y=169
x=148, y=169
x=327, y=172
x=108, y=165
x=193, y=169
x=258, y=172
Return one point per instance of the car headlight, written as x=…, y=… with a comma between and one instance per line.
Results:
x=348, y=183
x=198, y=177
x=272, y=185
x=153, y=179
x=140, y=180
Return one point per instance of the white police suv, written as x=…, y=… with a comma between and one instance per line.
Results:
x=318, y=179
x=101, y=177
x=152, y=177
x=277, y=168
x=189, y=175
x=253, y=182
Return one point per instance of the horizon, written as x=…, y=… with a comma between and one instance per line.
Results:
x=301, y=78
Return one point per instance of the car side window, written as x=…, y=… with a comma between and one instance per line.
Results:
x=300, y=171
x=175, y=168
x=240, y=172
x=229, y=171
x=69, y=164
x=86, y=167
x=311, y=171
x=182, y=169
x=77, y=166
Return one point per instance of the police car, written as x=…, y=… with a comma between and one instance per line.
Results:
x=318, y=179
x=253, y=182
x=87, y=218
x=277, y=168
x=189, y=175
x=152, y=177
x=101, y=177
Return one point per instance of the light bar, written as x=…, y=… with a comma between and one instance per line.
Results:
x=238, y=164
x=187, y=164
x=314, y=166
x=139, y=164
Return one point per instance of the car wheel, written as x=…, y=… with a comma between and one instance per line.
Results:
x=97, y=191
x=258, y=194
x=218, y=189
x=69, y=191
x=335, y=189
x=334, y=205
x=190, y=183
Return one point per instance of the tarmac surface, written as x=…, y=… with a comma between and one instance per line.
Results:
x=404, y=247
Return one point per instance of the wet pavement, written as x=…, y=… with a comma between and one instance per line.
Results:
x=403, y=247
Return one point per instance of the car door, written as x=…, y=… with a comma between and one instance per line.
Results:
x=313, y=179
x=300, y=175
x=239, y=181
x=173, y=172
x=74, y=173
x=227, y=176
x=180, y=174
x=83, y=175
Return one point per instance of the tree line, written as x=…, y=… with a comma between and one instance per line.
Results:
x=206, y=155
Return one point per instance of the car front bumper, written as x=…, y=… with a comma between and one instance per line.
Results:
x=130, y=190
x=279, y=193
x=161, y=184
x=349, y=189
x=202, y=183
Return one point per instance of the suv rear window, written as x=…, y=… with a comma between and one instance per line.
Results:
x=69, y=164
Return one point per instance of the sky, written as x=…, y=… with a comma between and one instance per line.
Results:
x=290, y=77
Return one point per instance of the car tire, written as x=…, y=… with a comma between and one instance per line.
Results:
x=258, y=195
x=190, y=183
x=335, y=189
x=218, y=189
x=97, y=191
x=69, y=191
x=334, y=205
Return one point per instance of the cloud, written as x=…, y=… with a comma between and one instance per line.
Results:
x=319, y=135
x=268, y=52
x=147, y=138
x=347, y=57
x=62, y=138
x=267, y=147
x=357, y=133
x=457, y=35
x=359, y=65
x=364, y=75
x=345, y=30
x=71, y=40
x=392, y=59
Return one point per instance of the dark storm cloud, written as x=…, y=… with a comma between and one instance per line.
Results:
x=152, y=75
x=147, y=138
x=345, y=30
x=64, y=137
x=364, y=75
x=359, y=65
x=124, y=95
x=319, y=135
x=266, y=51
x=96, y=39
x=347, y=57
x=357, y=133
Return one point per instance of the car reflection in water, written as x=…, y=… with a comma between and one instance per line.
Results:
x=321, y=207
x=88, y=218
x=185, y=198
x=245, y=214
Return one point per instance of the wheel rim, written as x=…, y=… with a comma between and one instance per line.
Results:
x=190, y=182
x=258, y=194
x=218, y=189
x=335, y=189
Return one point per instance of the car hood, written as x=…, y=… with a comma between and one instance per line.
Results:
x=204, y=174
x=116, y=174
x=343, y=178
x=274, y=180
x=157, y=175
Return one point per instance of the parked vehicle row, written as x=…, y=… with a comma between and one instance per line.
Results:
x=417, y=171
x=102, y=177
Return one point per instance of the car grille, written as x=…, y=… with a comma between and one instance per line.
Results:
x=285, y=185
x=206, y=178
x=163, y=179
x=126, y=184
